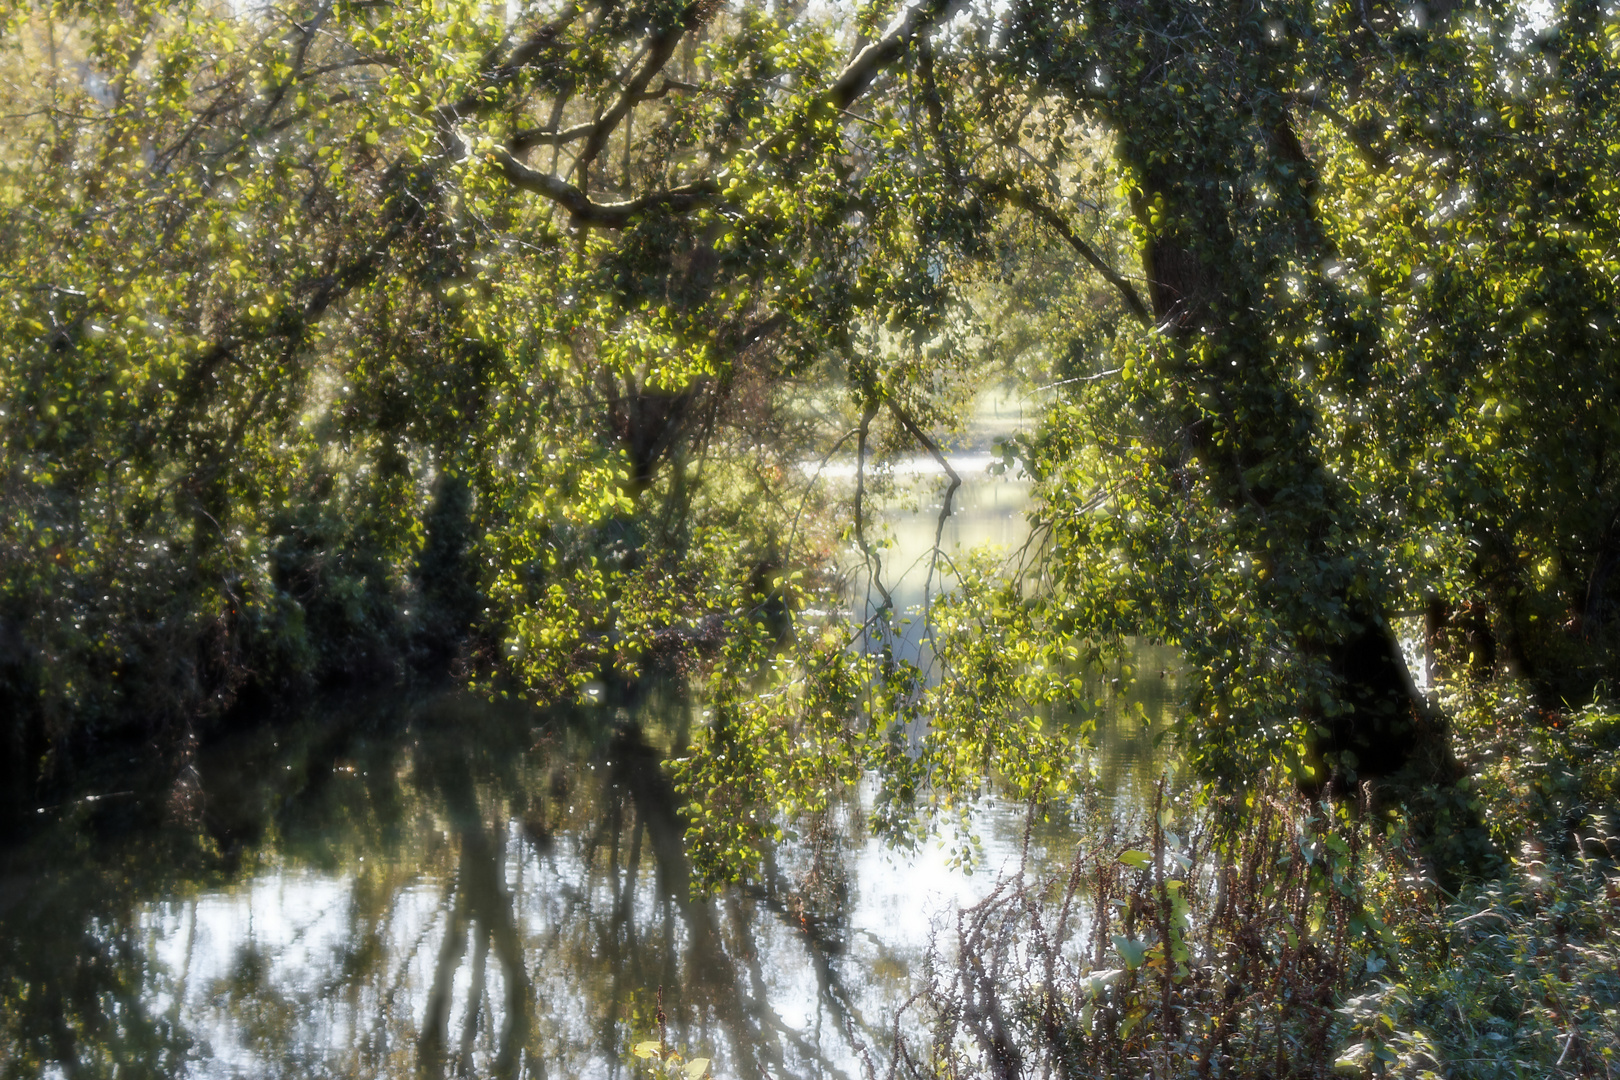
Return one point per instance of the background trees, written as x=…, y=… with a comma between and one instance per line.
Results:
x=351, y=337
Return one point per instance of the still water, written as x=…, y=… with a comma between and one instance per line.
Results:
x=447, y=887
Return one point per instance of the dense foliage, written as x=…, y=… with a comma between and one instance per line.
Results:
x=351, y=339
x=307, y=373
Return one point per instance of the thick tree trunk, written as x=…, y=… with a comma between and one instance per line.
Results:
x=1207, y=274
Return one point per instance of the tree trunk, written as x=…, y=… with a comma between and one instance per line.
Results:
x=1210, y=270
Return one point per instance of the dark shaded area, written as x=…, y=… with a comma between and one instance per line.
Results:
x=445, y=578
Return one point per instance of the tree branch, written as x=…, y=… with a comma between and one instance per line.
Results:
x=864, y=66
x=498, y=74
x=760, y=331
x=306, y=32
x=553, y=136
x=1032, y=202
x=916, y=432
x=291, y=323
x=615, y=215
x=530, y=137
x=856, y=76
x=1356, y=133
x=851, y=82
x=874, y=561
x=659, y=50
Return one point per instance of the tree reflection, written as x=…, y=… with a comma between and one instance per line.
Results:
x=448, y=890
x=482, y=905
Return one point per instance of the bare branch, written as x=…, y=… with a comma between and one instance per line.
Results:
x=916, y=432
x=874, y=561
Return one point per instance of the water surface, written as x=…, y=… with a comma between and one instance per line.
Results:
x=443, y=886
x=447, y=887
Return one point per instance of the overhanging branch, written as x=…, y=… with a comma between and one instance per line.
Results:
x=864, y=66
x=614, y=215
x=915, y=430
x=851, y=82
x=498, y=73
x=1032, y=202
x=874, y=561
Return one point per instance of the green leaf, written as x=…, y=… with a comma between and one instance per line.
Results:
x=1131, y=951
x=1138, y=859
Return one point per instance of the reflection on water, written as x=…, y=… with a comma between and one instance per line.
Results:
x=461, y=893
x=451, y=888
x=456, y=889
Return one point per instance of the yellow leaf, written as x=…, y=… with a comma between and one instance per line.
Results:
x=645, y=1050
x=696, y=1068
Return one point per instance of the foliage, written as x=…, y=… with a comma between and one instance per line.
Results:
x=1550, y=776
x=345, y=340
x=285, y=293
x=1001, y=706
x=1287, y=433
x=1313, y=434
x=666, y=1062
x=1516, y=980
x=1270, y=939
x=348, y=339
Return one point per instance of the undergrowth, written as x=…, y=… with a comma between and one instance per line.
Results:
x=1277, y=937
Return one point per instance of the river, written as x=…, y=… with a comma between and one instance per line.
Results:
x=444, y=886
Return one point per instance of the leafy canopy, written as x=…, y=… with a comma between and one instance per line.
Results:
x=346, y=335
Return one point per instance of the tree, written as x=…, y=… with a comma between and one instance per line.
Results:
x=282, y=280
x=1308, y=369
x=588, y=280
x=1365, y=375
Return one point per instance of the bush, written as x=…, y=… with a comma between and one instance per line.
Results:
x=1272, y=936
